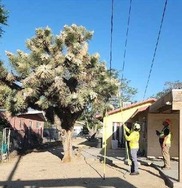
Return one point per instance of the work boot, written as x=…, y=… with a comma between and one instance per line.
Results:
x=166, y=168
x=134, y=173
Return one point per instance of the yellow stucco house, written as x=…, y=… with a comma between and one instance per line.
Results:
x=113, y=123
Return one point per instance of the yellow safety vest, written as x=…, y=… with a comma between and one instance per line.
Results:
x=168, y=137
x=133, y=139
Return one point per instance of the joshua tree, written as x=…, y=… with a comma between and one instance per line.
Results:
x=58, y=76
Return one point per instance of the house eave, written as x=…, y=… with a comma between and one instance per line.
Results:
x=168, y=103
x=151, y=100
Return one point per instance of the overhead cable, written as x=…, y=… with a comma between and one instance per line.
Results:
x=155, y=50
x=126, y=40
x=112, y=17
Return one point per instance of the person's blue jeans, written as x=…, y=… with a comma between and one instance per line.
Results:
x=134, y=165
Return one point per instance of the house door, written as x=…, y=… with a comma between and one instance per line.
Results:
x=117, y=133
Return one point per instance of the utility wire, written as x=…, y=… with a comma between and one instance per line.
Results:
x=155, y=50
x=112, y=17
x=126, y=40
x=125, y=47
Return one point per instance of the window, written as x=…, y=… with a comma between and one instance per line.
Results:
x=30, y=124
x=21, y=123
x=38, y=125
x=116, y=131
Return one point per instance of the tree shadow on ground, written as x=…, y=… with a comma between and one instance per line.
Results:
x=91, y=143
x=55, y=148
x=119, y=153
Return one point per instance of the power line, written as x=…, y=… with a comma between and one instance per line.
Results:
x=126, y=40
x=112, y=17
x=156, y=46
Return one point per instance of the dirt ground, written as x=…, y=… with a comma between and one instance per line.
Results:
x=44, y=169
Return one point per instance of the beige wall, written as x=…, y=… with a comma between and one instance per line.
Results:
x=122, y=116
x=155, y=123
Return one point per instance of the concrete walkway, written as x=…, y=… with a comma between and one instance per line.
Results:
x=170, y=176
x=114, y=156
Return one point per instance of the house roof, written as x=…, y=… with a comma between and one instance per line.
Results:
x=34, y=112
x=151, y=100
x=140, y=110
x=30, y=112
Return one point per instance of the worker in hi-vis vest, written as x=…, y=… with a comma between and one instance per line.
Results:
x=133, y=139
x=165, y=143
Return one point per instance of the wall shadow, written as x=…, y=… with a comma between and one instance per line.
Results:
x=71, y=182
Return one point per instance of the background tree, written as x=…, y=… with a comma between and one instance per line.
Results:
x=93, y=111
x=58, y=76
x=3, y=17
x=3, y=21
x=168, y=86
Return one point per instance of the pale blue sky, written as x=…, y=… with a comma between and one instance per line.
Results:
x=27, y=15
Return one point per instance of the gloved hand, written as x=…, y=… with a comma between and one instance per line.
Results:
x=125, y=127
x=157, y=132
x=124, y=130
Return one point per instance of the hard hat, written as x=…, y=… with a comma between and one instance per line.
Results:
x=168, y=121
x=136, y=126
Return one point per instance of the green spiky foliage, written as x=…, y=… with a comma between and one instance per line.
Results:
x=58, y=76
x=94, y=113
x=3, y=17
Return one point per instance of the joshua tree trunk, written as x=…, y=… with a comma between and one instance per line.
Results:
x=67, y=125
x=67, y=145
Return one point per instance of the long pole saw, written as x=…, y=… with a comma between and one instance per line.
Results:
x=127, y=153
x=105, y=145
x=124, y=133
